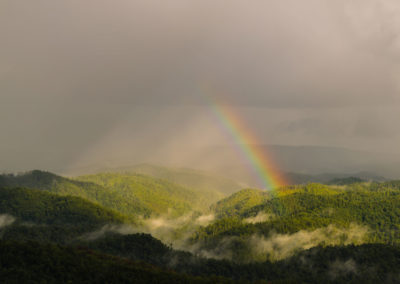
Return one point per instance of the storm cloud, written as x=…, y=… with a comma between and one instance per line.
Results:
x=84, y=82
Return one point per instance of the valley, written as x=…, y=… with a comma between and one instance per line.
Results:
x=165, y=221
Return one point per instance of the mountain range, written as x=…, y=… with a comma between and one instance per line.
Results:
x=156, y=224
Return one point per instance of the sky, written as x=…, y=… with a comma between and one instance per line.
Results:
x=91, y=82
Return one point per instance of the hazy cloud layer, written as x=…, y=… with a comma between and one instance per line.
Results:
x=280, y=246
x=277, y=53
x=6, y=220
x=80, y=77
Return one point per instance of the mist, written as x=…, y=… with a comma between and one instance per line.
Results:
x=90, y=85
x=173, y=231
x=339, y=268
x=120, y=229
x=6, y=220
x=280, y=246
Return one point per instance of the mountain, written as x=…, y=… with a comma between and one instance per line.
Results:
x=346, y=181
x=155, y=195
x=239, y=202
x=298, y=217
x=37, y=206
x=133, y=195
x=30, y=214
x=328, y=178
x=120, y=258
x=300, y=233
x=192, y=178
x=308, y=163
x=195, y=179
x=64, y=186
x=317, y=160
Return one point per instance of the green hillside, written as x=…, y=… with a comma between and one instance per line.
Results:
x=130, y=206
x=47, y=217
x=318, y=214
x=239, y=202
x=37, y=206
x=308, y=233
x=195, y=179
x=156, y=196
x=132, y=194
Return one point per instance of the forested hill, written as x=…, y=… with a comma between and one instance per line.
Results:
x=133, y=195
x=51, y=263
x=333, y=178
x=37, y=206
x=156, y=196
x=47, y=263
x=239, y=202
x=344, y=232
x=195, y=179
x=369, y=263
x=299, y=217
x=30, y=214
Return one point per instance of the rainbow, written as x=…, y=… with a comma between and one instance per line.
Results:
x=246, y=143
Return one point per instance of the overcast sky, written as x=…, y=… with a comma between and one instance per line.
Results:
x=87, y=81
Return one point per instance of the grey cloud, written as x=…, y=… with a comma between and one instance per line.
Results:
x=75, y=74
x=375, y=125
x=275, y=53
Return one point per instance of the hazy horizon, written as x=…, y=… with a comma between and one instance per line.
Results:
x=85, y=83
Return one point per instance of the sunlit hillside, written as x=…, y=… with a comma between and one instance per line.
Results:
x=349, y=222
x=206, y=141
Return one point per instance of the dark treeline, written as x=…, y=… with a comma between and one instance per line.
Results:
x=31, y=262
x=339, y=264
x=19, y=262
